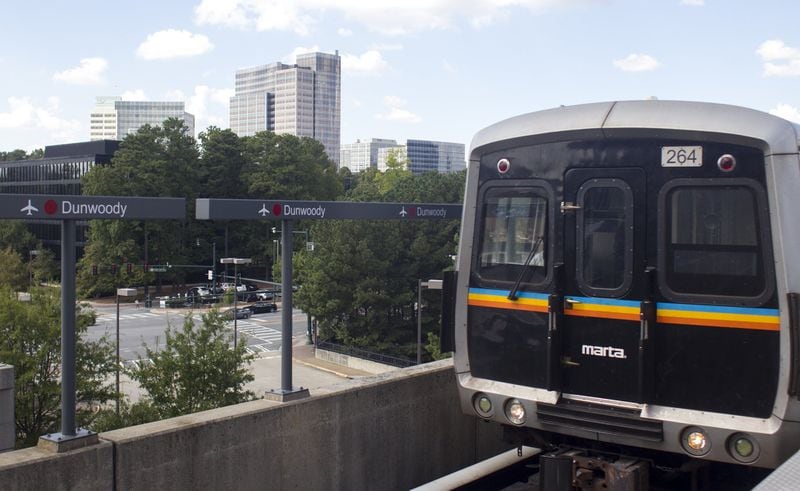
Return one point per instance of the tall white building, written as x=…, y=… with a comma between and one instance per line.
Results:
x=363, y=154
x=303, y=99
x=113, y=119
x=426, y=156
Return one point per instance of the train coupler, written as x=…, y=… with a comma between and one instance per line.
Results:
x=568, y=470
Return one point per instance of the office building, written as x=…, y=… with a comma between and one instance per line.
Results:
x=426, y=156
x=303, y=99
x=113, y=119
x=362, y=154
x=59, y=172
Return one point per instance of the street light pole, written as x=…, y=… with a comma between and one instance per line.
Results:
x=236, y=261
x=125, y=292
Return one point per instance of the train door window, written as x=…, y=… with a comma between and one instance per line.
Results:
x=513, y=225
x=605, y=237
x=713, y=236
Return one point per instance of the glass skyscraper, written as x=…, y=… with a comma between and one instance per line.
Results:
x=363, y=154
x=426, y=156
x=303, y=99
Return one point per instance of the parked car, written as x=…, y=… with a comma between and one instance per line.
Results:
x=262, y=307
x=240, y=314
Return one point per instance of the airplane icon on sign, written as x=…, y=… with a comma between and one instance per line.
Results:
x=403, y=212
x=30, y=208
x=263, y=211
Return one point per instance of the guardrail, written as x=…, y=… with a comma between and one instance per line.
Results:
x=367, y=355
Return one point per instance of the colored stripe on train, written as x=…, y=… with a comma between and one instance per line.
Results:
x=667, y=313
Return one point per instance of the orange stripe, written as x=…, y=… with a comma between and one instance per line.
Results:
x=762, y=326
x=603, y=315
x=507, y=305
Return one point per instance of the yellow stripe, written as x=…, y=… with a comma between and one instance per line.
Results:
x=503, y=300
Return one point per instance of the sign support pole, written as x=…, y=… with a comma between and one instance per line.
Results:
x=68, y=328
x=286, y=302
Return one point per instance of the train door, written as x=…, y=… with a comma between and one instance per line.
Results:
x=603, y=283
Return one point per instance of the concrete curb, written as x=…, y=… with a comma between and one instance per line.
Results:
x=317, y=367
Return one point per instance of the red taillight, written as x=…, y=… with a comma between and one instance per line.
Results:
x=726, y=163
x=503, y=166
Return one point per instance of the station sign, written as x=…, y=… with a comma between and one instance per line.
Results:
x=76, y=207
x=251, y=209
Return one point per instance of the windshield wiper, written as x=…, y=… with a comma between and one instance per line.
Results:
x=512, y=295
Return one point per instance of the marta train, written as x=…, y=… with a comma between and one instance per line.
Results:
x=628, y=280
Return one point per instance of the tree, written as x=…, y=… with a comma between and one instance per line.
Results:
x=197, y=369
x=30, y=339
x=361, y=282
x=12, y=270
x=154, y=161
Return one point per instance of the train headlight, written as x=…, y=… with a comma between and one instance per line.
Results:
x=695, y=441
x=743, y=448
x=483, y=405
x=515, y=412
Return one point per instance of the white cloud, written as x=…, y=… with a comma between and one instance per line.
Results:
x=371, y=62
x=292, y=57
x=171, y=43
x=397, y=112
x=787, y=58
x=24, y=114
x=208, y=105
x=637, y=63
x=89, y=72
x=786, y=111
x=261, y=15
x=342, y=31
x=447, y=67
x=693, y=3
x=392, y=17
x=134, y=95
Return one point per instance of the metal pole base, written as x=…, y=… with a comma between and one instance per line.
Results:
x=281, y=395
x=59, y=443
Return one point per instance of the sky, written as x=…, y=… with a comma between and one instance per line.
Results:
x=411, y=69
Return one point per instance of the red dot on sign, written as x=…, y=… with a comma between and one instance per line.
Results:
x=276, y=209
x=50, y=207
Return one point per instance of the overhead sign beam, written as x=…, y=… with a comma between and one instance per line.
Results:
x=253, y=209
x=287, y=212
x=50, y=207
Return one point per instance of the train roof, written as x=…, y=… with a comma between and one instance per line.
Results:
x=645, y=118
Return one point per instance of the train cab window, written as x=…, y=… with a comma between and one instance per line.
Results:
x=713, y=240
x=513, y=227
x=605, y=237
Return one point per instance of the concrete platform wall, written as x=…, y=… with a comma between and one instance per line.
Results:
x=391, y=431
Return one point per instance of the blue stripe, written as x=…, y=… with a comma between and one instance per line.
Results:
x=717, y=309
x=636, y=303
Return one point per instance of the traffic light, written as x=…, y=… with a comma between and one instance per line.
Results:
x=129, y=268
x=113, y=269
x=146, y=267
x=94, y=270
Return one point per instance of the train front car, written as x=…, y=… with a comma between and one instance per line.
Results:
x=628, y=278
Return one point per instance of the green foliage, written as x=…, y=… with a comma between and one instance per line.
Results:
x=361, y=281
x=137, y=413
x=30, y=339
x=154, y=161
x=197, y=369
x=12, y=271
x=288, y=167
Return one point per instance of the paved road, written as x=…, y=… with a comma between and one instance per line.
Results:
x=139, y=327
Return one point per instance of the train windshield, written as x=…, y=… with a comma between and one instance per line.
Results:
x=514, y=223
x=714, y=241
